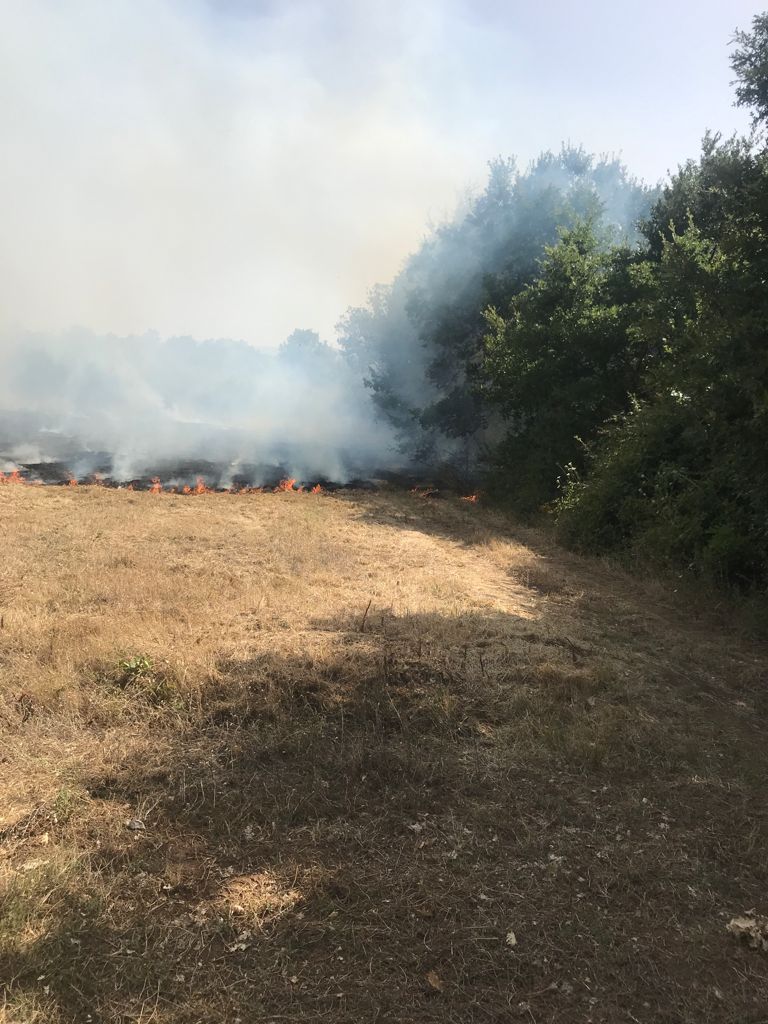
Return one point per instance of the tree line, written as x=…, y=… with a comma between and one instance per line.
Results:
x=597, y=350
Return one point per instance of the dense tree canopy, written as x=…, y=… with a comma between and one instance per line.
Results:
x=750, y=63
x=419, y=341
x=683, y=475
x=597, y=349
x=562, y=360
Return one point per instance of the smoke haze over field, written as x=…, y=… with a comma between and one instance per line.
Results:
x=213, y=170
x=231, y=169
x=150, y=402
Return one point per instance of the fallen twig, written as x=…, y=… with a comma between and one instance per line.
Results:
x=365, y=615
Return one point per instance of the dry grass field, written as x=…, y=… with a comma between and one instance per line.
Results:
x=364, y=758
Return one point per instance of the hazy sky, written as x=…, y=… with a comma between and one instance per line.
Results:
x=243, y=167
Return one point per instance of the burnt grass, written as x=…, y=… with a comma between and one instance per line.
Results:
x=449, y=818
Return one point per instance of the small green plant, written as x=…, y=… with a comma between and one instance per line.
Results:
x=65, y=805
x=133, y=669
x=139, y=676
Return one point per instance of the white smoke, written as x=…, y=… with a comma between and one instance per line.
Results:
x=212, y=168
x=144, y=401
x=233, y=168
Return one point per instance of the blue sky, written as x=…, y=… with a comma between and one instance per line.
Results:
x=645, y=79
x=236, y=168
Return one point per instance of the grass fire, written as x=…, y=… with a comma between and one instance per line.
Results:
x=156, y=486
x=384, y=513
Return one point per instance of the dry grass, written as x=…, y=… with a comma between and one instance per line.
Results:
x=368, y=736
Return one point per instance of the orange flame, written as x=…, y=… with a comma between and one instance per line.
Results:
x=472, y=498
x=287, y=485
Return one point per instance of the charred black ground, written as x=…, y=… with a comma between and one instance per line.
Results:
x=191, y=473
x=99, y=468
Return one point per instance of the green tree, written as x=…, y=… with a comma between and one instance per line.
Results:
x=561, y=361
x=419, y=342
x=750, y=64
x=682, y=477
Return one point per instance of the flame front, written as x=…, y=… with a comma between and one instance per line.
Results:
x=424, y=492
x=288, y=485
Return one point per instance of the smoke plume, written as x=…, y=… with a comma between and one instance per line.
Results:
x=135, y=405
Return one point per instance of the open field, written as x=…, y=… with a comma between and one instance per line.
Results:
x=384, y=759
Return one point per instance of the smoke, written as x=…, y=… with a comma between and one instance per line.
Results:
x=208, y=168
x=145, y=402
x=232, y=168
x=216, y=169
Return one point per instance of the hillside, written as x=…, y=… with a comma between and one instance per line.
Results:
x=364, y=757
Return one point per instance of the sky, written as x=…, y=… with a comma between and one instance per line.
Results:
x=240, y=168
